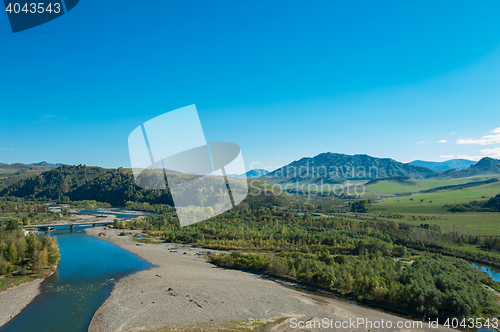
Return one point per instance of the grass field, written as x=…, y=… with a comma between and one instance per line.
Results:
x=14, y=280
x=38, y=218
x=452, y=196
x=428, y=208
x=386, y=188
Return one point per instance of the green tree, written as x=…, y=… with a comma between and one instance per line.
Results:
x=53, y=253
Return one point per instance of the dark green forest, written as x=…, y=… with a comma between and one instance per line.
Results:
x=79, y=183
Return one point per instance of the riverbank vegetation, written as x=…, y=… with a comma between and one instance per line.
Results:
x=23, y=258
x=87, y=204
x=411, y=267
x=27, y=212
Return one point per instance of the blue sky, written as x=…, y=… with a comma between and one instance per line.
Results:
x=282, y=79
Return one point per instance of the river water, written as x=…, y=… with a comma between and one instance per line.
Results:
x=120, y=213
x=492, y=272
x=83, y=281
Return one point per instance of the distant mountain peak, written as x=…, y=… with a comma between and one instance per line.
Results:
x=485, y=166
x=44, y=164
x=458, y=164
x=487, y=162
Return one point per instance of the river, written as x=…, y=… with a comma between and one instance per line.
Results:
x=84, y=279
x=82, y=282
x=492, y=272
x=120, y=213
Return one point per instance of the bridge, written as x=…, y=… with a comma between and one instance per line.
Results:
x=71, y=226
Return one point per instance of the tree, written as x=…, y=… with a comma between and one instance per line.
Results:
x=40, y=259
x=26, y=221
x=12, y=254
x=53, y=253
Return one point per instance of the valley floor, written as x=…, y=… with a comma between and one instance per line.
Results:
x=184, y=289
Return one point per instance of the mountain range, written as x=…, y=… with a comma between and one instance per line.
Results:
x=254, y=173
x=42, y=164
x=485, y=166
x=444, y=165
x=336, y=168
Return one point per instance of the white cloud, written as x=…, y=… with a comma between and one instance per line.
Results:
x=421, y=142
x=11, y=149
x=443, y=141
x=2, y=149
x=446, y=157
x=494, y=153
x=453, y=133
x=475, y=158
x=485, y=140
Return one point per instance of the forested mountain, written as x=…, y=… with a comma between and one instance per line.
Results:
x=485, y=166
x=444, y=165
x=115, y=186
x=334, y=167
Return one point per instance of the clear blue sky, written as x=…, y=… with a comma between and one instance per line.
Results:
x=283, y=79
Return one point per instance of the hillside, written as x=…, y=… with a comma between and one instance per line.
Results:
x=458, y=164
x=117, y=186
x=336, y=168
x=485, y=166
x=41, y=165
x=12, y=173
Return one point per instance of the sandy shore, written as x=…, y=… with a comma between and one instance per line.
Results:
x=185, y=289
x=14, y=299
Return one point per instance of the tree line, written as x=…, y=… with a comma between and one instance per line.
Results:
x=491, y=205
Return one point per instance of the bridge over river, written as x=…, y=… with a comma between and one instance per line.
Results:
x=71, y=225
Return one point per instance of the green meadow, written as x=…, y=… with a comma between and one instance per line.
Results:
x=7, y=170
x=429, y=208
x=389, y=188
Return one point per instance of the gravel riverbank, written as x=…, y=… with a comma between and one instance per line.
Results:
x=14, y=299
x=185, y=289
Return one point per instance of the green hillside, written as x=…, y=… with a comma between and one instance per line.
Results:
x=12, y=173
x=485, y=166
x=430, y=208
x=393, y=187
x=117, y=186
